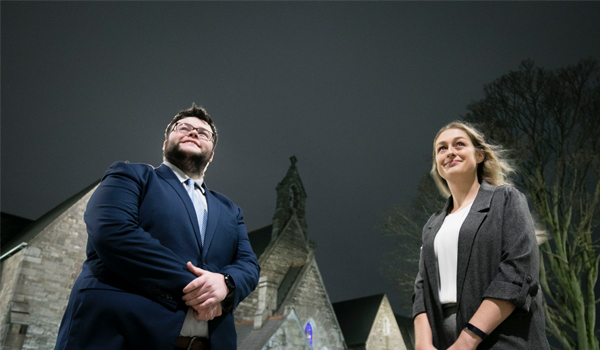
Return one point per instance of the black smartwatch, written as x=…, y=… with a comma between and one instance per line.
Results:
x=478, y=332
x=227, y=303
x=229, y=283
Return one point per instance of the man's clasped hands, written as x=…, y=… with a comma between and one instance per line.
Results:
x=205, y=293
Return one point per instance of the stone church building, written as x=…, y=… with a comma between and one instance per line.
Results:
x=290, y=279
x=290, y=308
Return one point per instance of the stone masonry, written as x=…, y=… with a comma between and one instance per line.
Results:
x=36, y=281
x=311, y=303
x=289, y=336
x=385, y=334
x=290, y=248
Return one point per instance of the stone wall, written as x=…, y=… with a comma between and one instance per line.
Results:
x=10, y=336
x=247, y=308
x=287, y=337
x=311, y=303
x=287, y=250
x=50, y=264
x=385, y=334
x=290, y=249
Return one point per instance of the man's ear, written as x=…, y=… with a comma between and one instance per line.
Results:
x=212, y=154
x=164, y=145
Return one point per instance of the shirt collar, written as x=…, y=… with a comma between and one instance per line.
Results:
x=183, y=177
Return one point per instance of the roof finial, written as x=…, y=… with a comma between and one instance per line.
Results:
x=293, y=159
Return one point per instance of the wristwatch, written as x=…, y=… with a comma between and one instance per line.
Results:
x=229, y=283
x=227, y=303
x=481, y=334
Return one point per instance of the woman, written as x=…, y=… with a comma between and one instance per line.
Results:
x=477, y=286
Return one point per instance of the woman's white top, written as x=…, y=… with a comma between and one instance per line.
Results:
x=446, y=252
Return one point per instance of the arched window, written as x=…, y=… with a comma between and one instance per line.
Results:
x=309, y=330
x=386, y=326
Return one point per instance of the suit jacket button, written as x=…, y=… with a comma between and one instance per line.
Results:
x=529, y=279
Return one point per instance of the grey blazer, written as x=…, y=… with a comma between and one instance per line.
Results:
x=498, y=258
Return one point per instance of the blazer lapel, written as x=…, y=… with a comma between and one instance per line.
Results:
x=468, y=232
x=430, y=260
x=167, y=174
x=213, y=218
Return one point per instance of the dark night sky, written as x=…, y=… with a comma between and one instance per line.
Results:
x=356, y=90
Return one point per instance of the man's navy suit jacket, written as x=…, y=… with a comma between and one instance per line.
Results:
x=142, y=230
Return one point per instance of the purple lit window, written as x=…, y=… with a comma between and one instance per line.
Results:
x=309, y=333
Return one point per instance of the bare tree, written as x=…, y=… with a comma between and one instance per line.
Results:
x=406, y=223
x=550, y=120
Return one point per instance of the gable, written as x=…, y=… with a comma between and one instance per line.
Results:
x=385, y=333
x=45, y=220
x=309, y=298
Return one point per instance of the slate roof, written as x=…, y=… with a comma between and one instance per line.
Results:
x=356, y=317
x=287, y=283
x=12, y=225
x=250, y=339
x=407, y=329
x=260, y=239
x=40, y=224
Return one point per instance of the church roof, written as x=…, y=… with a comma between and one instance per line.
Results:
x=356, y=317
x=40, y=224
x=287, y=283
x=407, y=329
x=12, y=225
x=250, y=339
x=260, y=239
x=289, y=326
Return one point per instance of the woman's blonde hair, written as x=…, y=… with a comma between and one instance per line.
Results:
x=494, y=168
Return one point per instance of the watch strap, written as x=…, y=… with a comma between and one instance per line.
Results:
x=478, y=332
x=227, y=303
x=229, y=282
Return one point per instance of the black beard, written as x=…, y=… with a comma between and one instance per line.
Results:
x=191, y=164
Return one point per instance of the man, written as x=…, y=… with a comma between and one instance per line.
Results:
x=162, y=249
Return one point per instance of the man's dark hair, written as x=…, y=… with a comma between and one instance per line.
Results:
x=197, y=112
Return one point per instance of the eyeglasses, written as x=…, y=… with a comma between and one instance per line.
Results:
x=187, y=128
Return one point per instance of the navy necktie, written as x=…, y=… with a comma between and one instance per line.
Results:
x=201, y=212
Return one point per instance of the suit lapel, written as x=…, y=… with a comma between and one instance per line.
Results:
x=167, y=174
x=468, y=232
x=430, y=260
x=213, y=218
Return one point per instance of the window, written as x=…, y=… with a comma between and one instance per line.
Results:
x=386, y=326
x=308, y=331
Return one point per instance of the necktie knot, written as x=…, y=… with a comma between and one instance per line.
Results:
x=191, y=184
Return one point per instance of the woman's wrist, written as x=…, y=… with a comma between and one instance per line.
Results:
x=468, y=340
